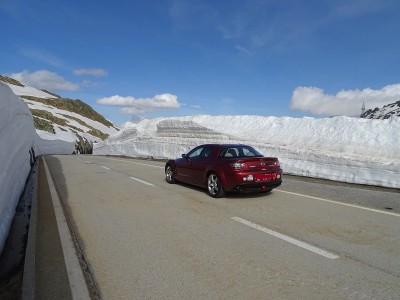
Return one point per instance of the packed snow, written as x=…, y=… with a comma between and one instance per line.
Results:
x=344, y=149
x=17, y=139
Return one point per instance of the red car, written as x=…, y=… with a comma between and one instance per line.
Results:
x=224, y=168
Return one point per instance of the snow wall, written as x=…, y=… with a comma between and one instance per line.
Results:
x=17, y=139
x=344, y=149
x=19, y=143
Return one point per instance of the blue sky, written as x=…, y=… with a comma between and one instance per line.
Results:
x=144, y=59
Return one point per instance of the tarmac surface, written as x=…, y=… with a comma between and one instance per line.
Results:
x=50, y=264
x=53, y=267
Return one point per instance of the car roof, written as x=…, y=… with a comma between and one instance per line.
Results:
x=224, y=145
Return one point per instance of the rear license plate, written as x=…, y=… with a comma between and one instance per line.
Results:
x=265, y=177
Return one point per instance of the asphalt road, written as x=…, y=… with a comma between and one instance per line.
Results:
x=308, y=239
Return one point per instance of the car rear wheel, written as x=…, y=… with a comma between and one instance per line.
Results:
x=169, y=174
x=214, y=186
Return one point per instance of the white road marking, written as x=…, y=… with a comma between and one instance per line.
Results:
x=142, y=181
x=147, y=165
x=89, y=162
x=77, y=283
x=287, y=239
x=105, y=167
x=133, y=162
x=340, y=203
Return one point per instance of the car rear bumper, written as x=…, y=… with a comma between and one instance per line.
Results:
x=238, y=182
x=257, y=187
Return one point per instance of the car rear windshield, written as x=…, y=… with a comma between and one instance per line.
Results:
x=239, y=152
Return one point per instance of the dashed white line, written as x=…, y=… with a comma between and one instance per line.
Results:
x=287, y=239
x=142, y=181
x=340, y=203
x=147, y=165
x=136, y=163
x=134, y=178
x=89, y=162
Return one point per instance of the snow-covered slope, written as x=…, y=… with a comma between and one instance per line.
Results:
x=388, y=111
x=73, y=122
x=341, y=148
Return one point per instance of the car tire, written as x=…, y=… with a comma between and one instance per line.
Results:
x=214, y=186
x=169, y=174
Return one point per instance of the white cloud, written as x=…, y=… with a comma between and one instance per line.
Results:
x=139, y=106
x=345, y=102
x=45, y=80
x=91, y=72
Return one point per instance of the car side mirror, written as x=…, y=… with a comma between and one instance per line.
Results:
x=184, y=155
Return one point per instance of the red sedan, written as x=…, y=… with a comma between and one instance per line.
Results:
x=224, y=168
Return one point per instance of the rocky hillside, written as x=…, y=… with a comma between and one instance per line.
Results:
x=386, y=112
x=61, y=118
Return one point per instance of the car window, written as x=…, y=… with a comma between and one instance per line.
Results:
x=230, y=152
x=195, y=152
x=240, y=152
x=248, y=152
x=206, y=152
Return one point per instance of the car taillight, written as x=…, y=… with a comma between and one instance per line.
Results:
x=239, y=166
x=276, y=164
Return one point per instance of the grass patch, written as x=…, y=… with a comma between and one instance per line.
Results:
x=98, y=133
x=76, y=106
x=11, y=81
x=48, y=116
x=43, y=125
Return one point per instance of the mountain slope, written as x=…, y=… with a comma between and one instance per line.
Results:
x=61, y=118
x=386, y=112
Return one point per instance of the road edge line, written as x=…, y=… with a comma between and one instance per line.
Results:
x=77, y=281
x=341, y=203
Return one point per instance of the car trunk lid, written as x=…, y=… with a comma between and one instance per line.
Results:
x=260, y=164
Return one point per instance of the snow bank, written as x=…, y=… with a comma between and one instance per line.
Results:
x=60, y=143
x=17, y=139
x=344, y=149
